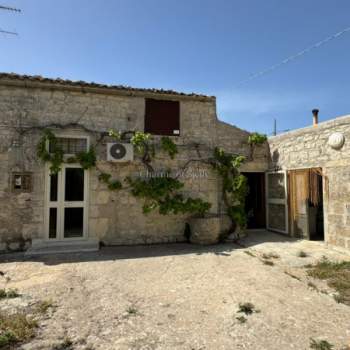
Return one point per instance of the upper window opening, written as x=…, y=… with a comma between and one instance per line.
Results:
x=162, y=117
x=70, y=145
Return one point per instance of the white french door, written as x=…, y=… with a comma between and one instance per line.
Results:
x=67, y=203
x=277, y=201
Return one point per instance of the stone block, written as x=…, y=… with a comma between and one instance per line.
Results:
x=98, y=227
x=207, y=230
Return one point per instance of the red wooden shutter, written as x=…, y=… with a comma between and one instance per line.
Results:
x=162, y=117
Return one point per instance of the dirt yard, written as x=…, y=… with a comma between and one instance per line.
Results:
x=179, y=297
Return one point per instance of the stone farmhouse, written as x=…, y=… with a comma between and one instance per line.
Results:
x=299, y=181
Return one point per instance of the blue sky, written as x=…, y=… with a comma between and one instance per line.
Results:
x=205, y=46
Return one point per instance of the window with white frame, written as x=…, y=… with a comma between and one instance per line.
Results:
x=69, y=145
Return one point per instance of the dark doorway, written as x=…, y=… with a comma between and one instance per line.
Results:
x=316, y=213
x=255, y=202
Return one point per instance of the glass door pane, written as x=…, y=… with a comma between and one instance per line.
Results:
x=74, y=181
x=73, y=205
x=53, y=223
x=53, y=187
x=73, y=222
x=277, y=207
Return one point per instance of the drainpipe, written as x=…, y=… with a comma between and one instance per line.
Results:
x=315, y=116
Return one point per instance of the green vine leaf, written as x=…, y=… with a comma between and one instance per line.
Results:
x=56, y=157
x=257, y=139
x=235, y=185
x=49, y=152
x=113, y=185
x=104, y=177
x=141, y=141
x=87, y=159
x=169, y=146
x=161, y=193
x=115, y=134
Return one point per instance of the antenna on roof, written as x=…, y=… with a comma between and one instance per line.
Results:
x=274, y=127
x=13, y=9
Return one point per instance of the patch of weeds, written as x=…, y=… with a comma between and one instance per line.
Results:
x=16, y=328
x=44, y=305
x=248, y=252
x=320, y=344
x=270, y=255
x=241, y=319
x=268, y=262
x=132, y=310
x=9, y=294
x=339, y=299
x=302, y=254
x=247, y=308
x=7, y=338
x=292, y=275
x=312, y=286
x=67, y=344
x=337, y=275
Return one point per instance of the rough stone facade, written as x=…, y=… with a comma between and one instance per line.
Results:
x=113, y=217
x=309, y=148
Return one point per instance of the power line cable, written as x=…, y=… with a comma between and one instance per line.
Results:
x=8, y=32
x=9, y=8
x=293, y=57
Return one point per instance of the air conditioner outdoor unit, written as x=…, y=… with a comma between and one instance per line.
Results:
x=120, y=152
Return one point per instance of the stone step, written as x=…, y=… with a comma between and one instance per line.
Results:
x=46, y=247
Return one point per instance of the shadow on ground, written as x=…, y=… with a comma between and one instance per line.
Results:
x=148, y=251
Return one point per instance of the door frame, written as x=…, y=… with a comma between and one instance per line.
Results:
x=291, y=224
x=283, y=201
x=60, y=196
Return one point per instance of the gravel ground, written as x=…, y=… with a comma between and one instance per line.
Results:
x=180, y=296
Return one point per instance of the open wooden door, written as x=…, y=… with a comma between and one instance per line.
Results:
x=306, y=203
x=299, y=208
x=277, y=201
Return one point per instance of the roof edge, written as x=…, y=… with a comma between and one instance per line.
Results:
x=31, y=81
x=340, y=120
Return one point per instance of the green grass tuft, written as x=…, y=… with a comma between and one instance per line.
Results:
x=241, y=319
x=302, y=254
x=247, y=308
x=337, y=275
x=16, y=328
x=320, y=344
x=9, y=294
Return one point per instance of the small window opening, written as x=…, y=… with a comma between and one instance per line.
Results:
x=21, y=182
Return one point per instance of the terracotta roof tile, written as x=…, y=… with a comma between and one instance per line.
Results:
x=84, y=84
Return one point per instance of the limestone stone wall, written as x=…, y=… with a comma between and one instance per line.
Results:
x=235, y=140
x=114, y=217
x=307, y=148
